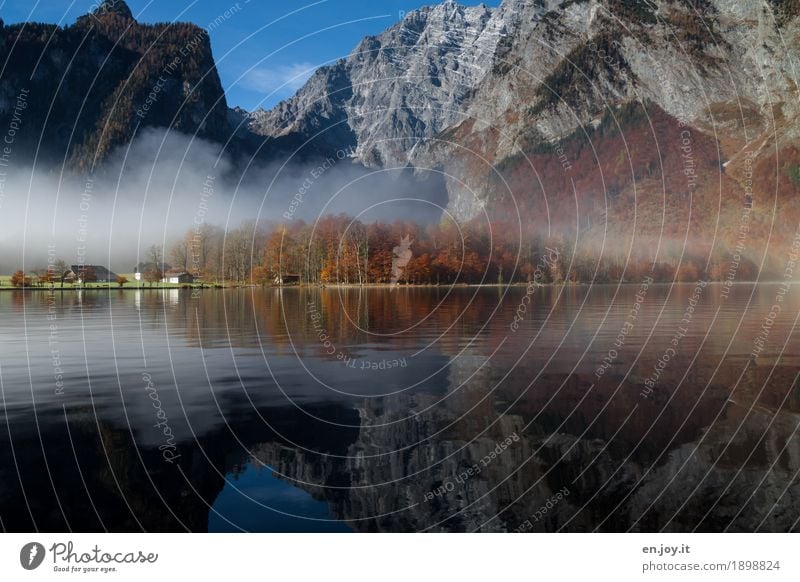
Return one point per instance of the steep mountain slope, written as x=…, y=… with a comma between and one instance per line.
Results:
x=661, y=131
x=407, y=83
x=620, y=126
x=582, y=116
x=728, y=69
x=90, y=85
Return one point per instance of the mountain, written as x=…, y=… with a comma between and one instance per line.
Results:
x=651, y=129
x=410, y=82
x=91, y=86
x=726, y=71
x=668, y=121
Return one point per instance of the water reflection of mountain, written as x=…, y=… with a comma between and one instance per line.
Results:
x=714, y=445
x=94, y=476
x=607, y=488
x=377, y=477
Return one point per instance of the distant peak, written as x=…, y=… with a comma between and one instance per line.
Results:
x=113, y=7
x=450, y=5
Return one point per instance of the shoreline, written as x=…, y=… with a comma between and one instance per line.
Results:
x=520, y=285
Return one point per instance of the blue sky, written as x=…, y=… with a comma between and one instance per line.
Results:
x=265, y=49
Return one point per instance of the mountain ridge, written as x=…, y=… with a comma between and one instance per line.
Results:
x=520, y=107
x=90, y=81
x=553, y=68
x=394, y=87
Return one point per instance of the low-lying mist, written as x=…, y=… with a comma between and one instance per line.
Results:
x=165, y=183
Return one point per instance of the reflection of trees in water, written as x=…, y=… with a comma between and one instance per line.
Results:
x=599, y=438
x=350, y=315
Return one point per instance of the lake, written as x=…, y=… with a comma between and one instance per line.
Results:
x=636, y=408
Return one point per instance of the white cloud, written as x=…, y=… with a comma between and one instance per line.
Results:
x=282, y=78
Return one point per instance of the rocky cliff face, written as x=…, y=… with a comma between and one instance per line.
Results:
x=91, y=86
x=410, y=82
x=520, y=103
x=725, y=69
x=424, y=464
x=575, y=116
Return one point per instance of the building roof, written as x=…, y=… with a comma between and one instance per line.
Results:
x=100, y=272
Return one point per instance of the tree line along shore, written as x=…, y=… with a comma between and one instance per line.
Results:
x=338, y=250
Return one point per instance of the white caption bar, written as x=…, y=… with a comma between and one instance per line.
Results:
x=352, y=558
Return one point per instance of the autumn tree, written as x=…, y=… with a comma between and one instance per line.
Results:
x=259, y=276
x=276, y=250
x=156, y=256
x=180, y=254
x=153, y=275
x=88, y=274
x=202, y=248
x=19, y=279
x=43, y=276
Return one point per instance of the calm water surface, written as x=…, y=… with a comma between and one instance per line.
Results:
x=401, y=410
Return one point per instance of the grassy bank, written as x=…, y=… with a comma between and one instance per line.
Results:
x=132, y=284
